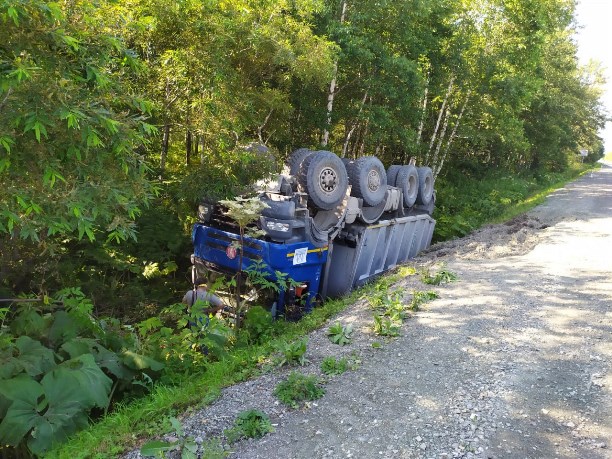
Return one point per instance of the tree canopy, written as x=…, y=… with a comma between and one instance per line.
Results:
x=99, y=100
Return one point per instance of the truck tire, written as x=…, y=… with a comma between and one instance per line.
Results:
x=368, y=178
x=296, y=158
x=408, y=181
x=426, y=186
x=392, y=174
x=323, y=177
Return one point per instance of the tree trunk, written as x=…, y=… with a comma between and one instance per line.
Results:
x=363, y=138
x=164, y=150
x=350, y=133
x=201, y=149
x=188, y=147
x=452, y=136
x=332, y=91
x=434, y=161
x=423, y=112
x=442, y=110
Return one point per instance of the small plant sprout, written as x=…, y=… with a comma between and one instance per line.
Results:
x=249, y=424
x=385, y=326
x=294, y=353
x=299, y=388
x=419, y=298
x=440, y=277
x=340, y=334
x=331, y=366
x=186, y=445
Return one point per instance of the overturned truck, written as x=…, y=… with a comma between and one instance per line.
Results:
x=330, y=224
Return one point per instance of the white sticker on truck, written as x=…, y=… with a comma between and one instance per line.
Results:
x=300, y=256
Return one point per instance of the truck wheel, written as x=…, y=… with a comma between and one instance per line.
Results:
x=426, y=186
x=392, y=174
x=369, y=180
x=408, y=181
x=323, y=176
x=296, y=159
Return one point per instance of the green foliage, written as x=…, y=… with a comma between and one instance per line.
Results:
x=59, y=363
x=439, y=277
x=293, y=353
x=195, y=339
x=244, y=211
x=419, y=298
x=257, y=324
x=70, y=129
x=228, y=174
x=298, y=388
x=332, y=366
x=340, y=334
x=213, y=449
x=249, y=424
x=389, y=304
x=386, y=326
x=185, y=444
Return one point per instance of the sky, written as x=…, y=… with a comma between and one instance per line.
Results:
x=594, y=38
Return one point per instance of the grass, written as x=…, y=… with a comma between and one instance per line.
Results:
x=133, y=422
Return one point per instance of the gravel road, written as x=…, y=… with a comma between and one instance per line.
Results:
x=512, y=361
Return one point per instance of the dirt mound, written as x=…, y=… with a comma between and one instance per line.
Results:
x=516, y=237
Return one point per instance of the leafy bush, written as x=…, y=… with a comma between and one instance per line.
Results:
x=57, y=364
x=332, y=366
x=257, y=324
x=340, y=334
x=298, y=388
x=194, y=339
x=293, y=353
x=249, y=424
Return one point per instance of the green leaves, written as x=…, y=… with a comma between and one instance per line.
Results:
x=61, y=365
x=299, y=388
x=294, y=353
x=36, y=124
x=340, y=334
x=249, y=424
x=55, y=407
x=68, y=122
x=186, y=445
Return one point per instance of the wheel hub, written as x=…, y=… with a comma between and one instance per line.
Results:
x=328, y=180
x=373, y=180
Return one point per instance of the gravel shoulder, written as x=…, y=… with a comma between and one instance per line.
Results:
x=512, y=361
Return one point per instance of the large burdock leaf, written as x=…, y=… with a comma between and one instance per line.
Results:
x=23, y=394
x=35, y=358
x=140, y=362
x=48, y=412
x=80, y=380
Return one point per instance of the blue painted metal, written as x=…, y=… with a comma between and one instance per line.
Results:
x=211, y=245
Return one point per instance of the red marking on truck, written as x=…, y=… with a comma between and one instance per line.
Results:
x=230, y=252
